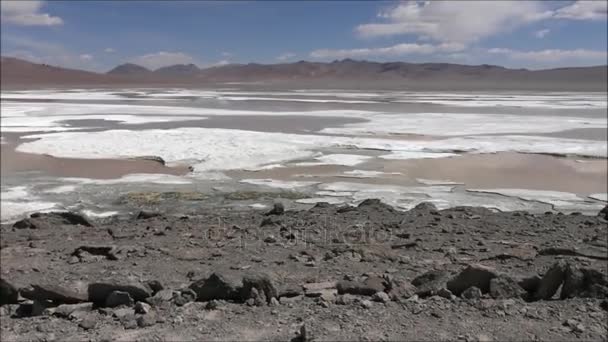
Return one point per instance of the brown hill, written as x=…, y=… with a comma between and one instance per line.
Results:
x=346, y=73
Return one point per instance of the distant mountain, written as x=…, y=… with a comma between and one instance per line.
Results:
x=178, y=70
x=129, y=69
x=345, y=73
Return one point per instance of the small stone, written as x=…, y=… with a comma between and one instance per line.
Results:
x=475, y=275
x=503, y=287
x=88, y=323
x=277, y=209
x=146, y=320
x=270, y=239
x=551, y=281
x=142, y=308
x=472, y=293
x=366, y=304
x=381, y=297
x=274, y=302
x=118, y=298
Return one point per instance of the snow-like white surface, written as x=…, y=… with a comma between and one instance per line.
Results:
x=600, y=196
x=62, y=189
x=366, y=174
x=273, y=183
x=18, y=201
x=436, y=182
x=398, y=155
x=563, y=201
x=99, y=214
x=134, y=178
x=337, y=159
x=258, y=206
x=330, y=200
x=450, y=124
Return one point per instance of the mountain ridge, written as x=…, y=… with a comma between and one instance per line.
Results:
x=346, y=72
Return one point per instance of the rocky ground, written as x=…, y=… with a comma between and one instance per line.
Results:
x=328, y=273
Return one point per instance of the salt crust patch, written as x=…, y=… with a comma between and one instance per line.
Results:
x=330, y=200
x=278, y=183
x=99, y=214
x=436, y=182
x=337, y=159
x=223, y=149
x=18, y=201
x=600, y=197
x=449, y=124
x=563, y=201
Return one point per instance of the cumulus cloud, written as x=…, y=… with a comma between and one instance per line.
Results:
x=285, y=56
x=109, y=50
x=541, y=33
x=395, y=50
x=584, y=10
x=26, y=13
x=454, y=21
x=554, y=55
x=163, y=58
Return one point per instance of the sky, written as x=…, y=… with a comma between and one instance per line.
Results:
x=98, y=35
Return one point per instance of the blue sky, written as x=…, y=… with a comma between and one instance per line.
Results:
x=97, y=35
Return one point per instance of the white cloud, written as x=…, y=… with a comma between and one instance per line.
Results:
x=109, y=50
x=584, y=10
x=285, y=56
x=395, y=50
x=554, y=55
x=26, y=13
x=86, y=57
x=220, y=63
x=455, y=21
x=226, y=54
x=163, y=58
x=541, y=33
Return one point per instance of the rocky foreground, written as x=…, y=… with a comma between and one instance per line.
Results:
x=329, y=273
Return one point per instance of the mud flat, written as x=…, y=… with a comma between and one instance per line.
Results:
x=327, y=273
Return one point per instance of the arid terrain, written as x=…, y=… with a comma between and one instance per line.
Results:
x=325, y=274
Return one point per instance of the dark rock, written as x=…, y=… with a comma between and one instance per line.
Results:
x=321, y=205
x=144, y=215
x=108, y=252
x=604, y=305
x=474, y=275
x=551, y=281
x=604, y=213
x=529, y=283
x=504, y=287
x=25, y=223
x=155, y=286
x=255, y=298
x=368, y=287
x=346, y=208
x=471, y=293
x=430, y=283
x=55, y=293
x=277, y=209
x=584, y=282
x=425, y=206
x=98, y=292
x=290, y=291
x=262, y=283
x=73, y=219
x=370, y=202
x=219, y=285
x=118, y=298
x=8, y=293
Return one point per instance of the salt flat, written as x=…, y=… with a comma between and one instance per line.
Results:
x=308, y=141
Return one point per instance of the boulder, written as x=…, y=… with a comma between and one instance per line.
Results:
x=604, y=213
x=144, y=215
x=277, y=209
x=72, y=310
x=368, y=287
x=25, y=223
x=58, y=294
x=62, y=217
x=402, y=290
x=584, y=282
x=551, y=281
x=219, y=285
x=262, y=283
x=161, y=298
x=146, y=320
x=474, y=275
x=98, y=292
x=118, y=298
x=529, y=283
x=109, y=251
x=8, y=293
x=430, y=283
x=425, y=206
x=504, y=287
x=381, y=297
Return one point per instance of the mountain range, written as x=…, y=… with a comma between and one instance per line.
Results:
x=347, y=73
